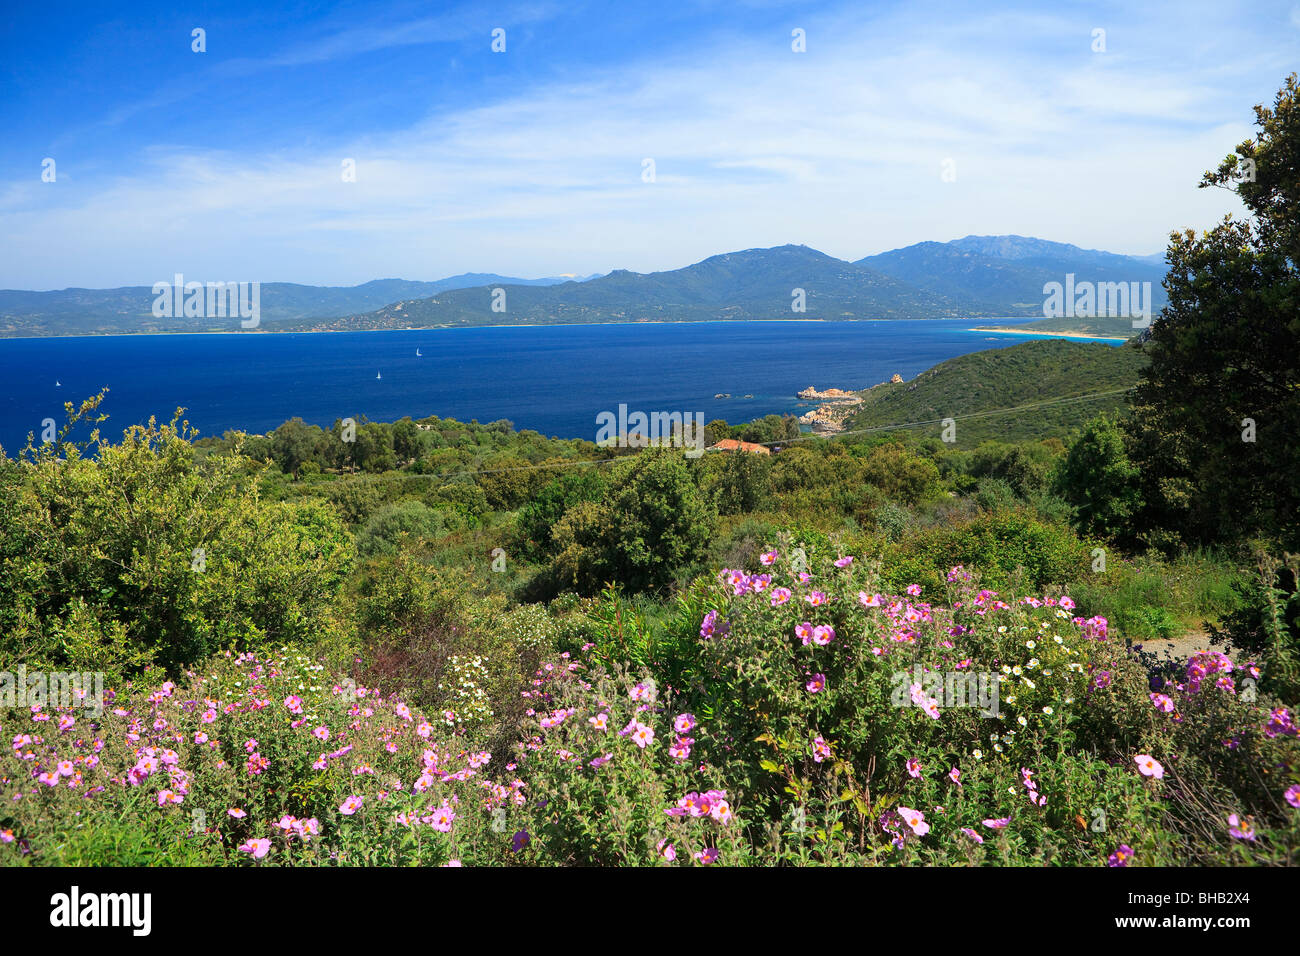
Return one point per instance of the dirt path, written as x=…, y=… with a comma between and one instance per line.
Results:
x=1181, y=648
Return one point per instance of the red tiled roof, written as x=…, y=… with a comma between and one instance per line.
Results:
x=731, y=444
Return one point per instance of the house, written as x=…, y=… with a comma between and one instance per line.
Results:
x=731, y=444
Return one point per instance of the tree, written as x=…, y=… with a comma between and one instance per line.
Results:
x=293, y=444
x=1217, y=414
x=406, y=439
x=652, y=524
x=538, y=518
x=741, y=481
x=901, y=475
x=1099, y=481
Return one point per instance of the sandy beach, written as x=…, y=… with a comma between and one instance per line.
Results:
x=1057, y=335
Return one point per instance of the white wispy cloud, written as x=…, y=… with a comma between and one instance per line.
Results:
x=840, y=147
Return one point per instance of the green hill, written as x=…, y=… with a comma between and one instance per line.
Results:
x=751, y=284
x=1056, y=378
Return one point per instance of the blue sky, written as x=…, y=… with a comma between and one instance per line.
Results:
x=227, y=164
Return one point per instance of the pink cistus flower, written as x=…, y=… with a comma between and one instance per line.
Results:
x=237, y=813
x=259, y=848
x=844, y=562
x=998, y=824
x=823, y=634
x=914, y=590
x=913, y=767
x=816, y=684
x=815, y=598
x=780, y=596
x=707, y=856
x=1149, y=766
x=666, y=850
x=1292, y=795
x=1121, y=856
x=351, y=805
x=914, y=819
x=294, y=703
x=1162, y=703
x=821, y=750
x=804, y=632
x=955, y=776
x=972, y=834
x=684, y=723
x=768, y=558
x=442, y=818
x=1240, y=829
x=709, y=627
x=642, y=735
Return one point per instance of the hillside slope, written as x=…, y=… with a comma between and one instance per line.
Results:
x=130, y=308
x=751, y=284
x=1034, y=372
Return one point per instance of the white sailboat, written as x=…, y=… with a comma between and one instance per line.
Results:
x=417, y=353
x=57, y=383
x=378, y=375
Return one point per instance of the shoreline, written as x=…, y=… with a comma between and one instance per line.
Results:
x=453, y=328
x=1057, y=335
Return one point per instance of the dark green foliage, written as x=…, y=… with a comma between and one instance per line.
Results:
x=996, y=379
x=652, y=524
x=741, y=481
x=1098, y=479
x=1216, y=420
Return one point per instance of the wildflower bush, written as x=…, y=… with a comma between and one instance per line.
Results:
x=810, y=716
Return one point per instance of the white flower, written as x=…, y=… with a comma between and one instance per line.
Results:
x=1047, y=711
x=1022, y=721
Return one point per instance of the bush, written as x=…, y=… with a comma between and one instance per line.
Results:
x=146, y=553
x=391, y=524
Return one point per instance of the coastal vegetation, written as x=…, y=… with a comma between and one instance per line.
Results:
x=1069, y=635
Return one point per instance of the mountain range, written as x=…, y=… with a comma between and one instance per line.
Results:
x=977, y=277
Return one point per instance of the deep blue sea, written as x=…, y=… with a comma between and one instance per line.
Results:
x=554, y=379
